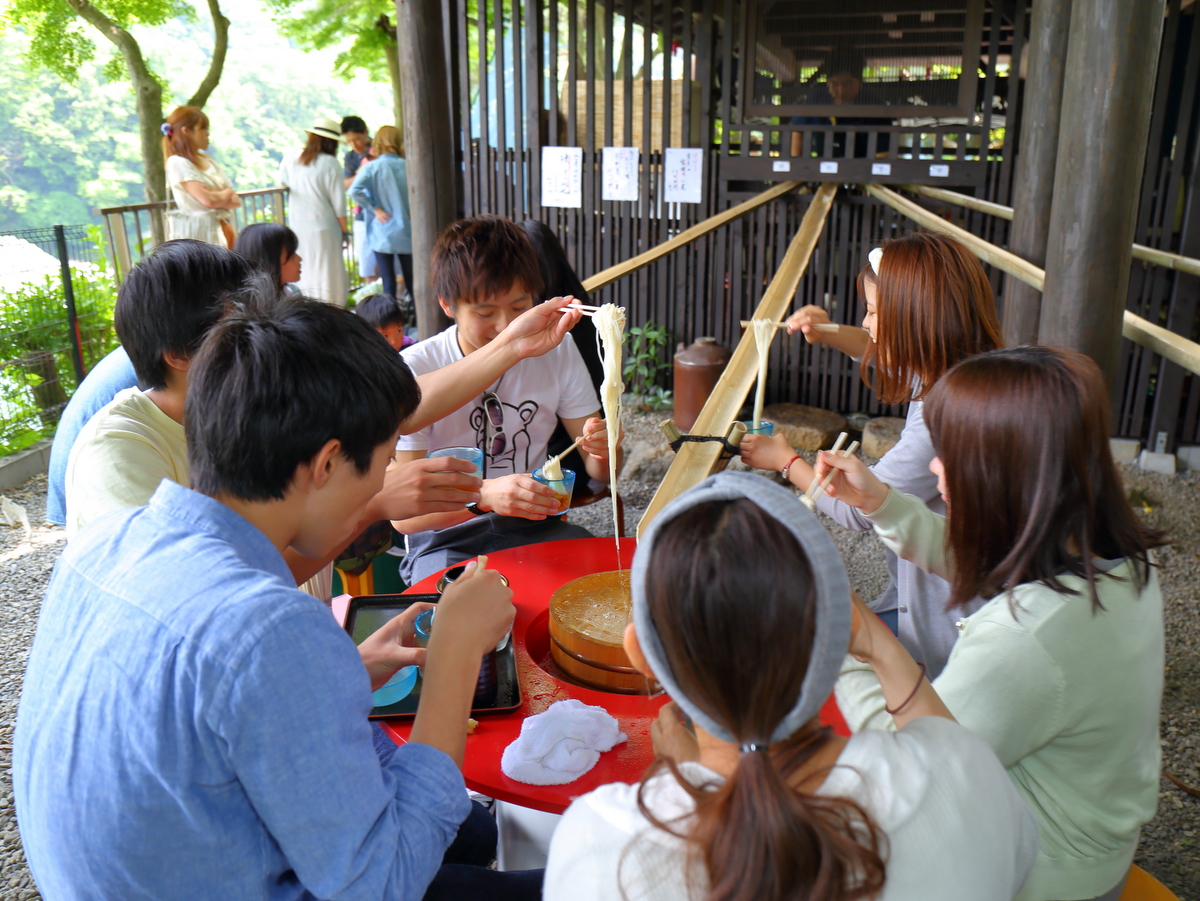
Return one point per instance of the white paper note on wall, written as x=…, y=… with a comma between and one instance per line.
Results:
x=562, y=176
x=619, y=173
x=683, y=175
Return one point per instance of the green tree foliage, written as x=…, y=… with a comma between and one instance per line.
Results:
x=69, y=147
x=364, y=29
x=57, y=24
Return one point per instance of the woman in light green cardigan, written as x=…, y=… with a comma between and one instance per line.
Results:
x=1061, y=671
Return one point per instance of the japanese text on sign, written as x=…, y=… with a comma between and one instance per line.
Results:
x=619, y=170
x=683, y=175
x=562, y=176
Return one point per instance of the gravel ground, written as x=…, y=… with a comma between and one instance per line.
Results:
x=1169, y=849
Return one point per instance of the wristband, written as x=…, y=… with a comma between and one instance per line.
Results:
x=784, y=472
x=473, y=509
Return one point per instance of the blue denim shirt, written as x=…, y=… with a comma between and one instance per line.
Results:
x=383, y=183
x=111, y=375
x=194, y=727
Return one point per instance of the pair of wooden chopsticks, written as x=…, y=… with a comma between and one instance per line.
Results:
x=585, y=309
x=818, y=486
x=818, y=326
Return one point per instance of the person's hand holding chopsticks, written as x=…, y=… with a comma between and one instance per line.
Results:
x=806, y=319
x=854, y=484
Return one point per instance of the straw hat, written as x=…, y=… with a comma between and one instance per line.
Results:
x=326, y=128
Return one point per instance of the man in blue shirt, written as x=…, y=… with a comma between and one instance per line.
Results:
x=193, y=725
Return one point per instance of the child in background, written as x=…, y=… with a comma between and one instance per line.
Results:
x=383, y=313
x=1061, y=670
x=763, y=803
x=929, y=305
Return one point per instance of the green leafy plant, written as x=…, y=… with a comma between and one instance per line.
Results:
x=644, y=365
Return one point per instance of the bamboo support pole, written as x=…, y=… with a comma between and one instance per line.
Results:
x=612, y=273
x=1165, y=258
x=989, y=253
x=1141, y=331
x=697, y=460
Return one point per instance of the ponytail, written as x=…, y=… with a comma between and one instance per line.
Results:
x=759, y=838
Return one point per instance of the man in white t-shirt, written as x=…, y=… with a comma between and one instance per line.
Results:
x=485, y=274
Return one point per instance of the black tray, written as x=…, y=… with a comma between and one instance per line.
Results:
x=368, y=613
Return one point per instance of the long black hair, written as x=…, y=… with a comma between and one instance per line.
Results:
x=560, y=280
x=263, y=244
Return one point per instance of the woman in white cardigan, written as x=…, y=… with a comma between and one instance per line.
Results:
x=742, y=611
x=1061, y=671
x=317, y=212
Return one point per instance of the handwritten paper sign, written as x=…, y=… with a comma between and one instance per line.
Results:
x=683, y=175
x=619, y=171
x=562, y=176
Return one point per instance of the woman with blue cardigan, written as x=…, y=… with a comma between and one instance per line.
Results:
x=381, y=188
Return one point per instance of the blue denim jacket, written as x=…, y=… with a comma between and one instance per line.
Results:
x=194, y=727
x=383, y=183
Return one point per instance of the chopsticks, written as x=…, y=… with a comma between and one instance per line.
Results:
x=584, y=308
x=558, y=458
x=818, y=486
x=817, y=326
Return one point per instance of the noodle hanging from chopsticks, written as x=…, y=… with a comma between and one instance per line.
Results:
x=609, y=321
x=764, y=334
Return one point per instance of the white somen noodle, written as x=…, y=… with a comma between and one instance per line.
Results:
x=764, y=334
x=610, y=333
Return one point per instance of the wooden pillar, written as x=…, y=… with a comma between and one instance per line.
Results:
x=1107, y=96
x=428, y=143
x=1033, y=186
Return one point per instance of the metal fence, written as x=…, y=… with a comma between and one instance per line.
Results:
x=129, y=230
x=56, y=321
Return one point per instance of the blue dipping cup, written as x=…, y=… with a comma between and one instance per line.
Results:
x=473, y=455
x=766, y=429
x=562, y=488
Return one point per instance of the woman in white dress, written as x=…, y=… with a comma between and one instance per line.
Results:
x=742, y=610
x=317, y=212
x=204, y=195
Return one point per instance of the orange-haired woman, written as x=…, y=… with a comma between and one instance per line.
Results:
x=929, y=305
x=204, y=195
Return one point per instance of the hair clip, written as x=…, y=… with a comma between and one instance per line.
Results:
x=751, y=746
x=875, y=256
x=166, y=129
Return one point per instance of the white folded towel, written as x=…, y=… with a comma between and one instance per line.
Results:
x=560, y=744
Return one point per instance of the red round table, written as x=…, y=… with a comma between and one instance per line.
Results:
x=535, y=572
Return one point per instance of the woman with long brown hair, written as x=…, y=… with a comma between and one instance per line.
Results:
x=742, y=611
x=929, y=305
x=204, y=195
x=317, y=212
x=1061, y=671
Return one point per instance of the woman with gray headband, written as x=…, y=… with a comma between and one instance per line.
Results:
x=742, y=611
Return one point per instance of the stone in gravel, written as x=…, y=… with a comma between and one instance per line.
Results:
x=880, y=435
x=1152, y=462
x=807, y=428
x=1124, y=450
x=648, y=464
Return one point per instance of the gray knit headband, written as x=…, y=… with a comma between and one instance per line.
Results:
x=832, y=588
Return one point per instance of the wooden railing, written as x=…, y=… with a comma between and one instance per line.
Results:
x=130, y=228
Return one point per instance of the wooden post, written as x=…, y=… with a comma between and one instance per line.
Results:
x=428, y=143
x=1107, y=96
x=1033, y=186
